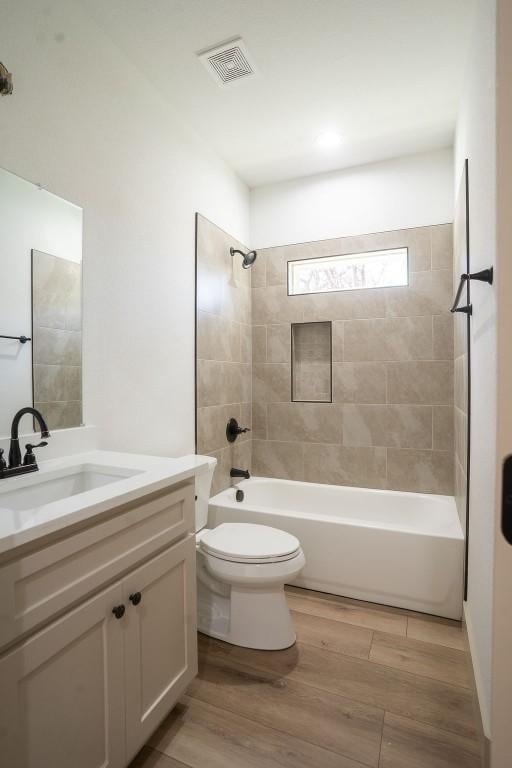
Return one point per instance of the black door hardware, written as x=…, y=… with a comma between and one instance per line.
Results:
x=135, y=598
x=506, y=500
x=239, y=495
x=484, y=276
x=119, y=611
x=233, y=430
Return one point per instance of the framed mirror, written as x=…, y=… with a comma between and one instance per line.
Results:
x=40, y=305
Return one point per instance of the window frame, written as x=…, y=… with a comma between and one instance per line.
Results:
x=346, y=256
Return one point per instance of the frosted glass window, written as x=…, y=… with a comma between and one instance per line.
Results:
x=372, y=269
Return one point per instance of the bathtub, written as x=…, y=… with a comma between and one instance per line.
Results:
x=389, y=547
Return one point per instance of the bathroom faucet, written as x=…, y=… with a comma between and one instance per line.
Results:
x=239, y=473
x=29, y=464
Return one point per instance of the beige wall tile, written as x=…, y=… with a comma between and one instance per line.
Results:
x=211, y=426
x=403, y=338
x=57, y=383
x=442, y=246
x=61, y=415
x=245, y=420
x=259, y=270
x=278, y=343
x=217, y=337
x=417, y=240
x=224, y=347
x=259, y=344
x=55, y=347
x=311, y=342
x=56, y=292
x=402, y=426
x=461, y=383
x=278, y=459
x=460, y=335
x=312, y=382
x=420, y=471
x=259, y=421
x=442, y=328
x=246, y=343
x=277, y=265
x=305, y=422
x=460, y=438
x=428, y=293
x=271, y=383
x=221, y=478
x=344, y=305
x=220, y=383
x=421, y=382
x=337, y=342
x=443, y=427
x=460, y=491
x=341, y=465
x=273, y=305
x=359, y=383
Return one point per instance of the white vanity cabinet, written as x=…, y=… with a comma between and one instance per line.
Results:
x=86, y=687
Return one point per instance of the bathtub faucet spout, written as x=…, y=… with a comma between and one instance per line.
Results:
x=239, y=473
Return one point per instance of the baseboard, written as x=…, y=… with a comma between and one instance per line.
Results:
x=481, y=713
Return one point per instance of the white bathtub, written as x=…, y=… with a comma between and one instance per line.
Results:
x=390, y=547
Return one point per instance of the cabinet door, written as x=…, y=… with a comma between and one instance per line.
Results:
x=160, y=638
x=62, y=692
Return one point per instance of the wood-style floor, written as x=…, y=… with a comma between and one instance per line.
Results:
x=365, y=685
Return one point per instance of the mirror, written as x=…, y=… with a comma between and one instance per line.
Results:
x=40, y=300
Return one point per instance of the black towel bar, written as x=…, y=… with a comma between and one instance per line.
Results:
x=21, y=339
x=485, y=276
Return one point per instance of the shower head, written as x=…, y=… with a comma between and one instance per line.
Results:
x=248, y=258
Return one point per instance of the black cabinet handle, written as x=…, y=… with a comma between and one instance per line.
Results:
x=119, y=611
x=135, y=598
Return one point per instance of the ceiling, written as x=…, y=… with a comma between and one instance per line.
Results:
x=385, y=74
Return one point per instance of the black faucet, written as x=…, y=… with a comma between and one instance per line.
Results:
x=29, y=464
x=240, y=473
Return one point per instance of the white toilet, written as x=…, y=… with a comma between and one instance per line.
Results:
x=241, y=572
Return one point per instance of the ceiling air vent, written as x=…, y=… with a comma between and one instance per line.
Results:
x=228, y=63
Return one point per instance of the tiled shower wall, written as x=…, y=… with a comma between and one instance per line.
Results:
x=223, y=350
x=390, y=424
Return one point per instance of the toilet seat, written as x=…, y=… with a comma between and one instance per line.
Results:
x=249, y=543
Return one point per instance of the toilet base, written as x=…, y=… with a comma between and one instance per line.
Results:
x=249, y=617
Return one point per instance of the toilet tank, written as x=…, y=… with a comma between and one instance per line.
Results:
x=204, y=479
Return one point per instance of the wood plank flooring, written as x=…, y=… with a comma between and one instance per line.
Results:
x=366, y=686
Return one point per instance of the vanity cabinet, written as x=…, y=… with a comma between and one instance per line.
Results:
x=89, y=687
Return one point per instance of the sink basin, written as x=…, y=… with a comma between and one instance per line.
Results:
x=43, y=488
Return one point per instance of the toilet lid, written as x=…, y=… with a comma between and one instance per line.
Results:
x=246, y=543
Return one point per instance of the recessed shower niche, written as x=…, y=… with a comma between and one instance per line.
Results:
x=311, y=362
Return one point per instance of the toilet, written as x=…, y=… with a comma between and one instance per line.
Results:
x=241, y=572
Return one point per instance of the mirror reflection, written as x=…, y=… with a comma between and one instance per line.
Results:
x=40, y=301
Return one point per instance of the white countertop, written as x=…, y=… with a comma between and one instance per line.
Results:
x=153, y=473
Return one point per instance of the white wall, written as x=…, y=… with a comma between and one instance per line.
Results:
x=475, y=140
x=411, y=191
x=502, y=641
x=84, y=123
x=31, y=218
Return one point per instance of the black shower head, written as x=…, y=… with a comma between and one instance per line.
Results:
x=248, y=258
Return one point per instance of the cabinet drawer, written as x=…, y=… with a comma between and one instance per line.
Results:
x=39, y=585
